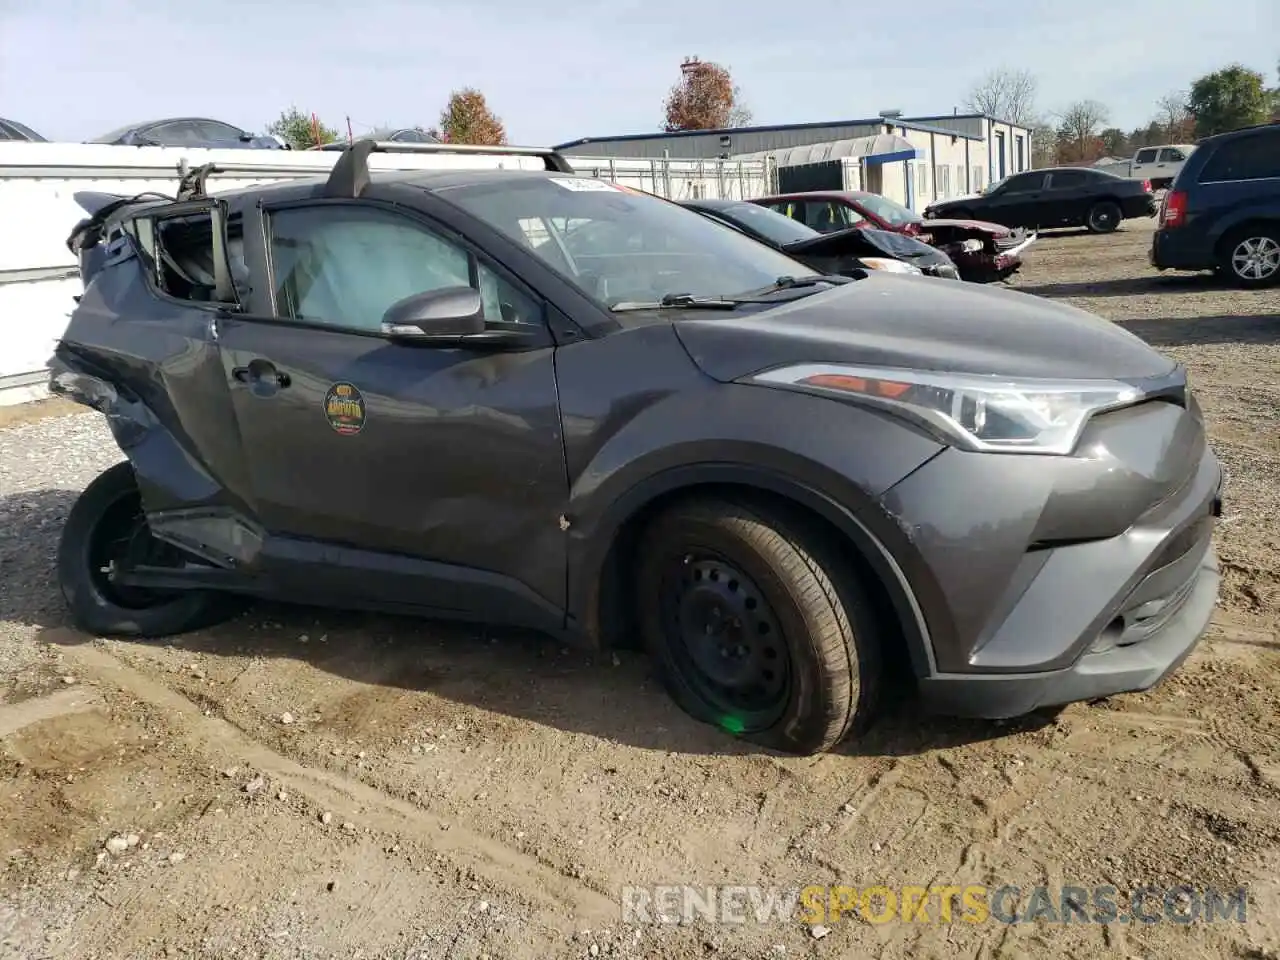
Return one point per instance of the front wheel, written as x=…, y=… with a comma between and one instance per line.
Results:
x=1103, y=217
x=758, y=625
x=105, y=530
x=1251, y=257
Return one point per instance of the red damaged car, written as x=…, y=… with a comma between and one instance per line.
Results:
x=982, y=252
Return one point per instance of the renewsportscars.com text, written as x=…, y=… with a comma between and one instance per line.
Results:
x=971, y=903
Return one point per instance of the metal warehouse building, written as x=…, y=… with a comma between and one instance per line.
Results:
x=912, y=160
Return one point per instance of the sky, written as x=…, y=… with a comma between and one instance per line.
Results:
x=554, y=72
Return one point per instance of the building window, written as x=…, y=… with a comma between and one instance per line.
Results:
x=961, y=186
x=922, y=181
x=978, y=179
x=944, y=177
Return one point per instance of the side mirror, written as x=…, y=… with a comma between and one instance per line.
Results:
x=436, y=315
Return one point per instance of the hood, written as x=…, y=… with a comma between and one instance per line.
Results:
x=917, y=322
x=852, y=242
x=864, y=242
x=975, y=227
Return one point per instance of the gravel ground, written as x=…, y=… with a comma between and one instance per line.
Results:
x=306, y=784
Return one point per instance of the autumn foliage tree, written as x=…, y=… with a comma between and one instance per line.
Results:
x=706, y=98
x=467, y=118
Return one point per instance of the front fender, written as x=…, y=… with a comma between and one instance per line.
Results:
x=833, y=458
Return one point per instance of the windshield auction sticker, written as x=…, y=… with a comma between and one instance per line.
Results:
x=583, y=184
x=344, y=408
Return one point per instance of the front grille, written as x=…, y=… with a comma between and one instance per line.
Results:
x=1010, y=240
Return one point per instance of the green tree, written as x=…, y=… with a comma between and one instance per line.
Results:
x=1228, y=99
x=467, y=118
x=1275, y=96
x=1114, y=142
x=299, y=130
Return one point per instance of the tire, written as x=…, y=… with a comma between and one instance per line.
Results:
x=110, y=504
x=1103, y=217
x=786, y=601
x=1250, y=256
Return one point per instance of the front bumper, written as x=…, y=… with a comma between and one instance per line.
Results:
x=1018, y=250
x=1117, y=669
x=1043, y=581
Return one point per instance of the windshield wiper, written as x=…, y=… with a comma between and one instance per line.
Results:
x=677, y=301
x=790, y=283
x=685, y=301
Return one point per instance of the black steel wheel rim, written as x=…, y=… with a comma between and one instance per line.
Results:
x=726, y=641
x=1103, y=217
x=119, y=540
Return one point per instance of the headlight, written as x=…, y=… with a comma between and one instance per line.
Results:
x=888, y=265
x=988, y=414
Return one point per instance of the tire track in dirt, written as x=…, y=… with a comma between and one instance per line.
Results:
x=563, y=902
x=18, y=716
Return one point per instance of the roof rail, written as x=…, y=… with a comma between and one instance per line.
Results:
x=351, y=173
x=193, y=182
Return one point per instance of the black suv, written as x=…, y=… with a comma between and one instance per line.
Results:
x=1223, y=211
x=534, y=398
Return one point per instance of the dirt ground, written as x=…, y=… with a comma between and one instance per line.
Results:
x=304, y=784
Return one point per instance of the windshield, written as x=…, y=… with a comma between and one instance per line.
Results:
x=771, y=225
x=114, y=134
x=620, y=245
x=993, y=187
x=898, y=244
x=26, y=131
x=887, y=210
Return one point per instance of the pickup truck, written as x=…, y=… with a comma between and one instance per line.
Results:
x=1159, y=164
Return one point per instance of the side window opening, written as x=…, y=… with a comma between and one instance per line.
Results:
x=184, y=259
x=344, y=267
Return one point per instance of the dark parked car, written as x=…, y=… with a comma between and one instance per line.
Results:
x=841, y=252
x=197, y=132
x=1223, y=211
x=386, y=135
x=13, y=130
x=983, y=252
x=1056, y=197
x=406, y=392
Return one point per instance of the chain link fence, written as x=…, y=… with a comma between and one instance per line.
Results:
x=685, y=179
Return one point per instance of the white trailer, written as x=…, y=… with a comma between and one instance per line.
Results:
x=38, y=183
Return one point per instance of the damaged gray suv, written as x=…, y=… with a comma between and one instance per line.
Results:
x=533, y=398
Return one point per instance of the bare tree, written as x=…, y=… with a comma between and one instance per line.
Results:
x=1173, y=114
x=1006, y=94
x=1044, y=144
x=1078, y=129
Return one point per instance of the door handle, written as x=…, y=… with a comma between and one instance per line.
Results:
x=261, y=371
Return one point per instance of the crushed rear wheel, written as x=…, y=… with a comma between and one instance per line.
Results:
x=107, y=530
x=757, y=625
